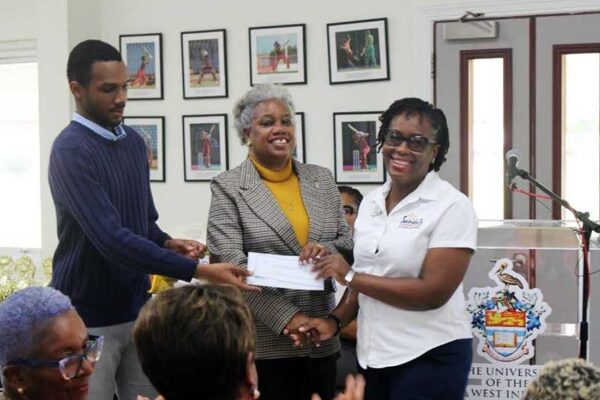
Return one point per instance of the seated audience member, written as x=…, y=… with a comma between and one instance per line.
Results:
x=570, y=379
x=351, y=199
x=197, y=342
x=347, y=363
x=45, y=351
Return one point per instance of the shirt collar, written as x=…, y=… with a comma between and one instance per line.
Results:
x=427, y=190
x=100, y=130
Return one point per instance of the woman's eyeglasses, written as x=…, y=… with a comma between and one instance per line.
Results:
x=71, y=365
x=349, y=210
x=416, y=143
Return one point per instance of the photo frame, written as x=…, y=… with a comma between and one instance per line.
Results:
x=299, y=153
x=143, y=56
x=277, y=54
x=152, y=130
x=358, y=51
x=204, y=64
x=356, y=156
x=204, y=146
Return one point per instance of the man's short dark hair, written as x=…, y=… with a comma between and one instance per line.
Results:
x=84, y=55
x=352, y=192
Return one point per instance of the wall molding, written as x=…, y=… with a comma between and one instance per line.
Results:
x=425, y=16
x=18, y=51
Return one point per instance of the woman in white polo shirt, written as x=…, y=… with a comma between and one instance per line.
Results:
x=414, y=238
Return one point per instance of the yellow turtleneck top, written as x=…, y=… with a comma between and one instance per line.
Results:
x=285, y=187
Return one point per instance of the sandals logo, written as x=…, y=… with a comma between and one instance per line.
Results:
x=411, y=221
x=508, y=317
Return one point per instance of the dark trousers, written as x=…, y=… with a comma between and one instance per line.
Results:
x=346, y=364
x=296, y=378
x=439, y=374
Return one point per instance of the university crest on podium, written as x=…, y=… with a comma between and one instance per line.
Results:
x=508, y=317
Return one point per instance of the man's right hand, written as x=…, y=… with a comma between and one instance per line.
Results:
x=225, y=273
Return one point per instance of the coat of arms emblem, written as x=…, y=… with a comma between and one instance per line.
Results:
x=508, y=317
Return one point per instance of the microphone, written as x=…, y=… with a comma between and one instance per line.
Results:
x=512, y=160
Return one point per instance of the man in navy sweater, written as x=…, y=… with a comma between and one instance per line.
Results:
x=109, y=241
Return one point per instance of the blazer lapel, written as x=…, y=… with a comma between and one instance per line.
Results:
x=313, y=198
x=262, y=203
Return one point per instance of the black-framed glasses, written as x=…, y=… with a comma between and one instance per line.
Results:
x=417, y=143
x=69, y=366
x=349, y=210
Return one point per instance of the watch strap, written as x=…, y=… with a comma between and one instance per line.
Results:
x=338, y=323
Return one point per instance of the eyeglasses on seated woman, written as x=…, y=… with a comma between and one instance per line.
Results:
x=45, y=350
x=69, y=366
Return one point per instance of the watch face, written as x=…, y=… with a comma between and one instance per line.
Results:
x=349, y=276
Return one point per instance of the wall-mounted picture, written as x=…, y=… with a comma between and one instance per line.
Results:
x=358, y=51
x=299, y=150
x=277, y=54
x=143, y=56
x=204, y=146
x=204, y=63
x=152, y=130
x=356, y=156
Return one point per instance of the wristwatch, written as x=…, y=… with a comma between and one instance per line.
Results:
x=349, y=276
x=338, y=323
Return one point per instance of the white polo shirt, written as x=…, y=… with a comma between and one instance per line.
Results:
x=433, y=215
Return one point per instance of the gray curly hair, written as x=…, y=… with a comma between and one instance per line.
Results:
x=570, y=379
x=243, y=111
x=22, y=313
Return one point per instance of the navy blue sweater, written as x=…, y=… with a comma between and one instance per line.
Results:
x=108, y=237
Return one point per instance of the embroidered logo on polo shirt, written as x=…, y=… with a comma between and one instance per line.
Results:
x=376, y=212
x=411, y=221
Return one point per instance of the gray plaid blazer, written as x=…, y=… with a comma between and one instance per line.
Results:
x=244, y=216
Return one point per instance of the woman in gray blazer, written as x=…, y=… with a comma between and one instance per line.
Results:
x=273, y=204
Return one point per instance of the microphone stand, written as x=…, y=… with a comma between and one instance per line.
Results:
x=589, y=226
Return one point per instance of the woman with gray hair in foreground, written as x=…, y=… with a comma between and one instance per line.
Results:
x=45, y=350
x=570, y=379
x=274, y=204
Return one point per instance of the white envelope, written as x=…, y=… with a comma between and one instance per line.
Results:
x=282, y=271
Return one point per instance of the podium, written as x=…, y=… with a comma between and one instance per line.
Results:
x=548, y=254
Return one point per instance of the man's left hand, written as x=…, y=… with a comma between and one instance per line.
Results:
x=188, y=248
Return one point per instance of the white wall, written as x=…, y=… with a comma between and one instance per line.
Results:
x=17, y=20
x=59, y=24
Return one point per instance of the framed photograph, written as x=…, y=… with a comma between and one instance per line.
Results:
x=358, y=51
x=152, y=130
x=356, y=156
x=277, y=54
x=299, y=150
x=204, y=146
x=143, y=56
x=204, y=63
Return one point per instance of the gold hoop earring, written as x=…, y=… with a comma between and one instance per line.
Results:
x=21, y=390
